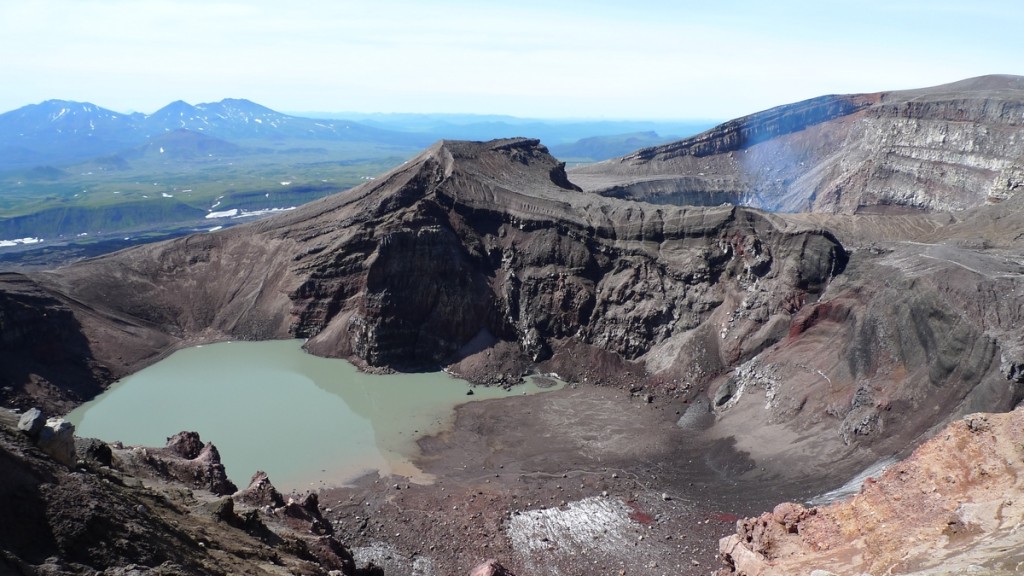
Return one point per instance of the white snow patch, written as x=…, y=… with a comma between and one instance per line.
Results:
x=223, y=214
x=392, y=561
x=238, y=213
x=257, y=120
x=16, y=241
x=577, y=530
x=247, y=213
x=215, y=228
x=83, y=234
x=161, y=149
x=286, y=183
x=166, y=195
x=854, y=485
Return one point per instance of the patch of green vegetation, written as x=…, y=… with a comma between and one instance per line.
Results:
x=157, y=190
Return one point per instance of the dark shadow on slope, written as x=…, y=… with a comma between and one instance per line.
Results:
x=43, y=349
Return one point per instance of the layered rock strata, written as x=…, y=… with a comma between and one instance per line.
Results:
x=469, y=249
x=949, y=147
x=485, y=258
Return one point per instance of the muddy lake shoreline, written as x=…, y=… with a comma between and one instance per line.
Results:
x=528, y=463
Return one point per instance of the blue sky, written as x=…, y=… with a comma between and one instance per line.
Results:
x=597, y=59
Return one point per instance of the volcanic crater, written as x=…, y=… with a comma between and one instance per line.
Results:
x=722, y=357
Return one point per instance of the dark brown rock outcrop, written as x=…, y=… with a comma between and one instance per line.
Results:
x=924, y=320
x=188, y=460
x=470, y=242
x=109, y=515
x=261, y=492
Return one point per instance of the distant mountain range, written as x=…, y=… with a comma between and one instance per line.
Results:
x=62, y=132
x=77, y=173
x=566, y=139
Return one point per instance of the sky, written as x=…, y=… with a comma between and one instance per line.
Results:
x=543, y=59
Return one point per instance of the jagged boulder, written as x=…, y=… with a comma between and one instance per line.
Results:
x=307, y=509
x=32, y=422
x=261, y=492
x=93, y=450
x=185, y=444
x=186, y=459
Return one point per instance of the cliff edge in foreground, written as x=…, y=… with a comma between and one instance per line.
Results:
x=953, y=507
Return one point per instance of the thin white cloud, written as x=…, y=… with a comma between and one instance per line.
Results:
x=597, y=59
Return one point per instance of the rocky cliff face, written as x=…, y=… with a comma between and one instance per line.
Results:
x=950, y=147
x=469, y=249
x=923, y=320
x=485, y=258
x=919, y=186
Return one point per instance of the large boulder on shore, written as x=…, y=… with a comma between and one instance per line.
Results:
x=57, y=438
x=32, y=422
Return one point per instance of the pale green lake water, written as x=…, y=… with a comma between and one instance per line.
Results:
x=307, y=421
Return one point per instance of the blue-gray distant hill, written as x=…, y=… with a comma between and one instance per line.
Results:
x=570, y=140
x=57, y=132
x=597, y=148
x=78, y=173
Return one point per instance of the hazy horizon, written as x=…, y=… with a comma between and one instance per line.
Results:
x=355, y=115
x=574, y=60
